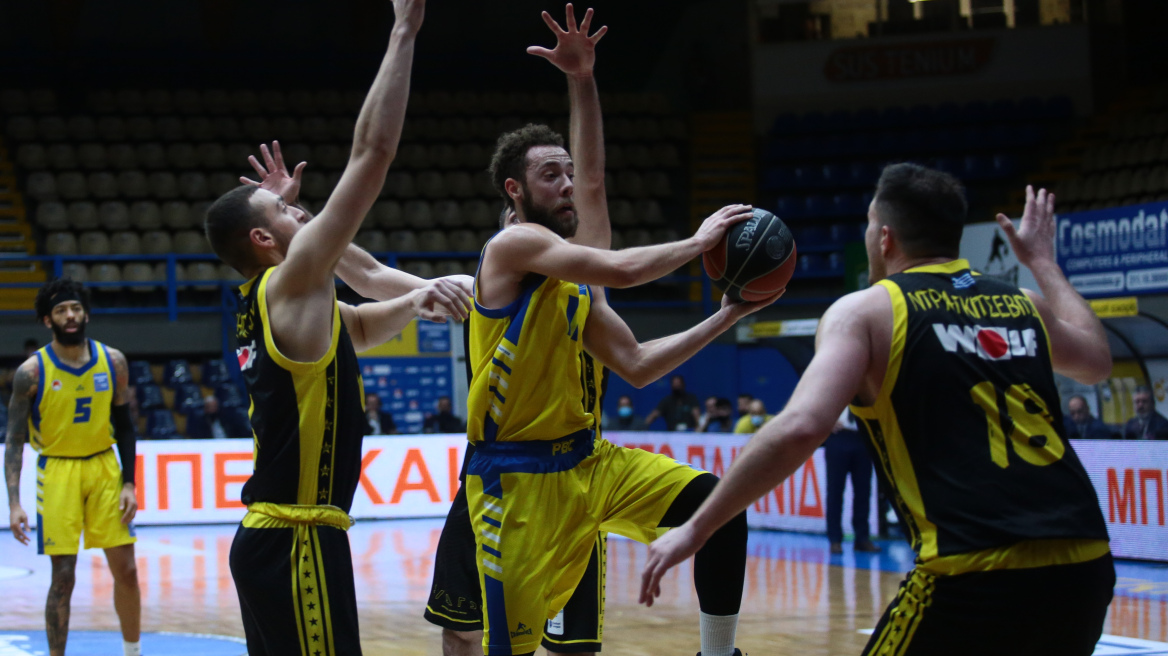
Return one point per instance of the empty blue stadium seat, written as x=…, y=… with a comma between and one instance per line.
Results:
x=941, y=140
x=841, y=119
x=806, y=176
x=788, y=207
x=812, y=236
x=816, y=205
x=197, y=426
x=862, y=174
x=813, y=122
x=177, y=372
x=811, y=263
x=215, y=372
x=160, y=425
x=1004, y=165
x=149, y=397
x=230, y=396
x=773, y=179
x=976, y=111
x=976, y=167
x=866, y=119
x=948, y=114
x=832, y=175
x=187, y=397
x=140, y=373
x=864, y=143
x=948, y=165
x=1030, y=108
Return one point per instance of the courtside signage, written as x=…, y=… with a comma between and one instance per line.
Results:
x=1115, y=251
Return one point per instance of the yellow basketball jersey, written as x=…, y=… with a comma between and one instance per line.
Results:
x=71, y=415
x=527, y=358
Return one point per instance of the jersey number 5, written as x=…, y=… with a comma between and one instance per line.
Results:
x=81, y=412
x=1026, y=422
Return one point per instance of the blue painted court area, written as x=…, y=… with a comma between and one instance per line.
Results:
x=30, y=643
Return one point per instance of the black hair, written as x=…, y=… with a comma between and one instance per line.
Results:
x=510, y=157
x=65, y=287
x=31, y=342
x=926, y=209
x=723, y=403
x=744, y=394
x=228, y=222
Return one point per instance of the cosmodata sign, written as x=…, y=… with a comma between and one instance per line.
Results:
x=199, y=482
x=1113, y=251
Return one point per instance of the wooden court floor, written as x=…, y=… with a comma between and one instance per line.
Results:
x=798, y=598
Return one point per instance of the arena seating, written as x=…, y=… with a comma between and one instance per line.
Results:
x=127, y=172
x=170, y=396
x=819, y=169
x=1126, y=162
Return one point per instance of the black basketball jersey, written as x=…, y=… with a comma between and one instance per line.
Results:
x=308, y=417
x=967, y=429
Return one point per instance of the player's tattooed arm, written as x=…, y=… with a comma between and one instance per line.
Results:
x=24, y=388
x=122, y=375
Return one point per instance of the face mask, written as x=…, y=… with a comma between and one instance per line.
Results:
x=756, y=420
x=625, y=411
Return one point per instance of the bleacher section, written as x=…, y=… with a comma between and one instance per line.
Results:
x=819, y=170
x=1119, y=158
x=131, y=173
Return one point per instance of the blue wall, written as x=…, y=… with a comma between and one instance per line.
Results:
x=718, y=370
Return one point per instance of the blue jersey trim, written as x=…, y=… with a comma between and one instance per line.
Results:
x=36, y=407
x=76, y=371
x=497, y=617
x=491, y=459
x=516, y=327
x=113, y=370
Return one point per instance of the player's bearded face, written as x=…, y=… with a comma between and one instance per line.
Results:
x=559, y=217
x=68, y=325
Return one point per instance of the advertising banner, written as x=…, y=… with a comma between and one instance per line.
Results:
x=1130, y=477
x=199, y=482
x=1115, y=251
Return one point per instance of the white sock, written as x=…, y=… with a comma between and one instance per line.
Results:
x=132, y=648
x=718, y=634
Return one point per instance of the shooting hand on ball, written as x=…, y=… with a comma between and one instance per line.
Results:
x=714, y=228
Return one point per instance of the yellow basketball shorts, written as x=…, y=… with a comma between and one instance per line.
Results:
x=536, y=508
x=80, y=495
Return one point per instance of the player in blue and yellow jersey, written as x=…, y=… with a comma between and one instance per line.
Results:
x=70, y=401
x=290, y=559
x=540, y=483
x=952, y=376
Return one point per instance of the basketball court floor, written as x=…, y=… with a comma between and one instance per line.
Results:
x=799, y=599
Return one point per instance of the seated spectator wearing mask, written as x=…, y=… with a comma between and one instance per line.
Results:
x=625, y=418
x=758, y=416
x=376, y=421
x=1081, y=424
x=717, y=418
x=680, y=409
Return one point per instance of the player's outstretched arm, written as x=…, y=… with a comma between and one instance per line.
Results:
x=371, y=324
x=360, y=270
x=608, y=339
x=528, y=247
x=1078, y=343
x=575, y=55
x=314, y=251
x=24, y=389
x=125, y=435
x=842, y=353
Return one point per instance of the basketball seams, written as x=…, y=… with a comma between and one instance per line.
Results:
x=777, y=268
x=768, y=292
x=758, y=242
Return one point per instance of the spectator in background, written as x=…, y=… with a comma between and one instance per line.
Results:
x=6, y=375
x=444, y=420
x=680, y=409
x=376, y=421
x=751, y=422
x=744, y=404
x=1147, y=424
x=626, y=419
x=846, y=454
x=212, y=422
x=1082, y=425
x=718, y=417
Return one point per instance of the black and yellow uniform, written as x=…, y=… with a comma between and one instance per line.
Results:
x=539, y=476
x=290, y=558
x=968, y=436
x=456, y=597
x=79, y=482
